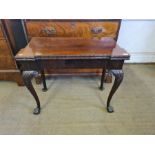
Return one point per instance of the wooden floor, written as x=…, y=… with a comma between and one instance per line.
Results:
x=75, y=105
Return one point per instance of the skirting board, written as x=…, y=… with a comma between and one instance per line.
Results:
x=141, y=57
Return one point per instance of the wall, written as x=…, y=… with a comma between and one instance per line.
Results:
x=138, y=38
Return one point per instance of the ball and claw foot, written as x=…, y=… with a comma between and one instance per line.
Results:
x=110, y=109
x=36, y=111
x=44, y=89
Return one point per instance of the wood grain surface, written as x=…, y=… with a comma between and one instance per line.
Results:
x=6, y=59
x=71, y=48
x=12, y=75
x=8, y=67
x=72, y=29
x=1, y=33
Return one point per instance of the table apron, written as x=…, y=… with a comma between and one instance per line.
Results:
x=72, y=63
x=115, y=64
x=28, y=65
x=66, y=64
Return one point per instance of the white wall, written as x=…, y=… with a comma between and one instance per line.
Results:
x=138, y=38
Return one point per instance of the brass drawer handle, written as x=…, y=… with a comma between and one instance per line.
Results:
x=97, y=30
x=49, y=30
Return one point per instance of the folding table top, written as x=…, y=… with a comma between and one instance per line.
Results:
x=42, y=47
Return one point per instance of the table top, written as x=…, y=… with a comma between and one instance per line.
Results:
x=71, y=48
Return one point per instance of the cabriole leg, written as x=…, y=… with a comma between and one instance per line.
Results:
x=27, y=77
x=118, y=79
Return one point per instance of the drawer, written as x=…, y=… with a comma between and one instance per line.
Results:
x=1, y=32
x=6, y=59
x=7, y=62
x=69, y=64
x=85, y=29
x=4, y=48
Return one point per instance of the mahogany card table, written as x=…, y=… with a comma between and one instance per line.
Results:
x=62, y=53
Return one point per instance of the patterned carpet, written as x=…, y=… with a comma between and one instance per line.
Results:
x=75, y=105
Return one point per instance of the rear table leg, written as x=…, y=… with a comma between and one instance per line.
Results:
x=44, y=81
x=102, y=78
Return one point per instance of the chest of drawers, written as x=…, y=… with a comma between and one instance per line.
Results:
x=8, y=67
x=72, y=28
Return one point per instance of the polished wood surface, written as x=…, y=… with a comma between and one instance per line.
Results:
x=11, y=75
x=71, y=48
x=1, y=32
x=8, y=67
x=4, y=47
x=10, y=34
x=70, y=28
x=6, y=59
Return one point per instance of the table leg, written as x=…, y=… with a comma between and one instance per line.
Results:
x=44, y=81
x=118, y=79
x=27, y=77
x=102, y=78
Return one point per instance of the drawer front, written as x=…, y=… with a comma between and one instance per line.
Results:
x=6, y=59
x=89, y=29
x=69, y=64
x=7, y=63
x=1, y=32
x=4, y=48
